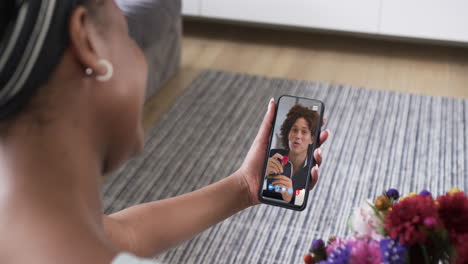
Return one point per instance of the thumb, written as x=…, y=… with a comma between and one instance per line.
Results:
x=266, y=126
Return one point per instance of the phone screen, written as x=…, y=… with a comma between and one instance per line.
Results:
x=290, y=155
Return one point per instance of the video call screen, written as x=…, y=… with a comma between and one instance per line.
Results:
x=290, y=154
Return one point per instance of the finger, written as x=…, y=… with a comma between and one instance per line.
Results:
x=282, y=183
x=318, y=156
x=282, y=177
x=266, y=126
x=272, y=167
x=277, y=166
x=323, y=136
x=278, y=156
x=274, y=170
x=314, y=176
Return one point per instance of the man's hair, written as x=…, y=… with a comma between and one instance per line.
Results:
x=296, y=112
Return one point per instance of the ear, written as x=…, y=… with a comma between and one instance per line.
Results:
x=85, y=41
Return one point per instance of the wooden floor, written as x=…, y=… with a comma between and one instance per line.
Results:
x=376, y=64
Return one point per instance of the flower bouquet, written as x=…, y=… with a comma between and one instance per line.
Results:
x=418, y=228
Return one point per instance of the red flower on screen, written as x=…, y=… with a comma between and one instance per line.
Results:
x=285, y=160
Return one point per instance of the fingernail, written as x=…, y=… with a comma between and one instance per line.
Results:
x=271, y=100
x=316, y=166
x=329, y=133
x=319, y=151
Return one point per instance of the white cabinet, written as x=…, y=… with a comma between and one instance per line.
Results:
x=423, y=19
x=191, y=7
x=356, y=15
x=431, y=19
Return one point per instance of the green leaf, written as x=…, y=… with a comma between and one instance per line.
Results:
x=424, y=251
x=376, y=212
x=350, y=222
x=381, y=230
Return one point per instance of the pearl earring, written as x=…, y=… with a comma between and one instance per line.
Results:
x=89, y=71
x=109, y=71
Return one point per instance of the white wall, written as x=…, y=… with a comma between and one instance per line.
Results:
x=191, y=7
x=432, y=19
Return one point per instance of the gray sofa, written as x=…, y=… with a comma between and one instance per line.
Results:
x=156, y=25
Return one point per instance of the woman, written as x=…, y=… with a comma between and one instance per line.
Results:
x=286, y=167
x=71, y=94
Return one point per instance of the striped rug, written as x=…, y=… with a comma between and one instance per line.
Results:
x=379, y=140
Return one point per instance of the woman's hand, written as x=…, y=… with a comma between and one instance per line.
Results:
x=285, y=182
x=274, y=166
x=250, y=173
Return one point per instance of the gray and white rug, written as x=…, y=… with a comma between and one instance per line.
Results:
x=379, y=140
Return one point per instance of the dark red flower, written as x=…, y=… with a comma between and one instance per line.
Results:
x=462, y=250
x=430, y=223
x=453, y=212
x=406, y=219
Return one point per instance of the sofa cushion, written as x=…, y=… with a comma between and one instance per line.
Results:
x=156, y=25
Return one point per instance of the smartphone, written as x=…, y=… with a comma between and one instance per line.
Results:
x=289, y=160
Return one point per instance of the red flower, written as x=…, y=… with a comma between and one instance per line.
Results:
x=453, y=212
x=308, y=259
x=462, y=250
x=407, y=219
x=285, y=160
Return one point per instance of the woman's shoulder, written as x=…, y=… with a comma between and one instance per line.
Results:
x=127, y=258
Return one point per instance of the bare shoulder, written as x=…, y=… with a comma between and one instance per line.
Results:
x=39, y=244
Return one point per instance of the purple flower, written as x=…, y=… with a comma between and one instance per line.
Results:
x=392, y=251
x=425, y=193
x=317, y=244
x=392, y=193
x=318, y=250
x=340, y=255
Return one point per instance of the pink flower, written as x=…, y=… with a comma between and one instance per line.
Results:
x=430, y=223
x=365, y=223
x=365, y=251
x=362, y=251
x=285, y=160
